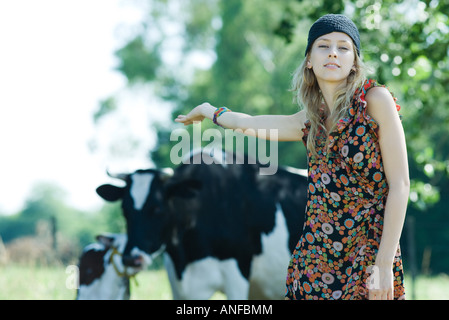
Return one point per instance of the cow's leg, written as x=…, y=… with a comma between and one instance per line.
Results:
x=202, y=278
x=174, y=282
x=236, y=286
x=273, y=261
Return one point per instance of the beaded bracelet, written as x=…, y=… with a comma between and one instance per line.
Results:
x=218, y=113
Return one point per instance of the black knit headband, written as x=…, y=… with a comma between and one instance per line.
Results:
x=333, y=23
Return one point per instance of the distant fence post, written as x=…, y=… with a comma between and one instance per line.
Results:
x=53, y=232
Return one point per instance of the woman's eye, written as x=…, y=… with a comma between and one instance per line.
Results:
x=322, y=46
x=344, y=48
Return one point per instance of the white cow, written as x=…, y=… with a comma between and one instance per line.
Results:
x=102, y=275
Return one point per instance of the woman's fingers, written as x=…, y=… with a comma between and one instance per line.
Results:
x=379, y=294
x=193, y=116
x=183, y=119
x=380, y=283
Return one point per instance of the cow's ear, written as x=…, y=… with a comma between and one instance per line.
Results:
x=110, y=193
x=187, y=188
x=106, y=240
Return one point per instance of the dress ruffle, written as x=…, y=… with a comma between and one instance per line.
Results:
x=358, y=104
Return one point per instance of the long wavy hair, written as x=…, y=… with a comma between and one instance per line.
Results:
x=307, y=94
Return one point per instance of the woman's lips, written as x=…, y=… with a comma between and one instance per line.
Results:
x=331, y=65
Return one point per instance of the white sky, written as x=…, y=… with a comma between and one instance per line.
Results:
x=56, y=63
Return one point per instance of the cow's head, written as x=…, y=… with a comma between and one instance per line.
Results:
x=117, y=242
x=146, y=198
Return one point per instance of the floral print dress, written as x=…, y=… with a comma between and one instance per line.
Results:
x=344, y=215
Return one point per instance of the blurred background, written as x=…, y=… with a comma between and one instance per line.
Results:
x=87, y=86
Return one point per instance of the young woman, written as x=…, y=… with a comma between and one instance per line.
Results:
x=357, y=170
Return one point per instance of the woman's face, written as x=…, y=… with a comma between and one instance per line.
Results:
x=332, y=57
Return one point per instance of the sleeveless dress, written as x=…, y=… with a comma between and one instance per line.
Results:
x=344, y=216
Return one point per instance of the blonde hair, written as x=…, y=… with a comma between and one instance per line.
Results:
x=308, y=94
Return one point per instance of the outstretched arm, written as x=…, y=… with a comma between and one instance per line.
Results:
x=288, y=127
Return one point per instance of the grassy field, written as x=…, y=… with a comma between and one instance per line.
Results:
x=27, y=283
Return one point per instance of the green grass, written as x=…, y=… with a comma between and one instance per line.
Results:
x=35, y=283
x=428, y=287
x=38, y=283
x=29, y=283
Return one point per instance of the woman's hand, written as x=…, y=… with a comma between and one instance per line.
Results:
x=381, y=283
x=197, y=114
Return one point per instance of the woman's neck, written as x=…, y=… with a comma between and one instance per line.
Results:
x=328, y=90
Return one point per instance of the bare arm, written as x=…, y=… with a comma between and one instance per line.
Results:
x=382, y=108
x=288, y=127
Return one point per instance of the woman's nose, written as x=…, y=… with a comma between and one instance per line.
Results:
x=332, y=52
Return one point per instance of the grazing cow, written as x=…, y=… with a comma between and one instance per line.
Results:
x=102, y=275
x=223, y=227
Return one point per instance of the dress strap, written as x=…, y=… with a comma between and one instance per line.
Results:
x=361, y=104
x=371, y=83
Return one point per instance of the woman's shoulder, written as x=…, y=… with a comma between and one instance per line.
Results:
x=379, y=95
x=380, y=103
x=302, y=115
x=300, y=118
x=300, y=122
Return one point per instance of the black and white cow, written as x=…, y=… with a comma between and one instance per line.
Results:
x=102, y=275
x=221, y=227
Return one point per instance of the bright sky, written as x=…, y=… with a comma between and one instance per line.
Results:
x=56, y=63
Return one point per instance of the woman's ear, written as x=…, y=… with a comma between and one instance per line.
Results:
x=309, y=64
